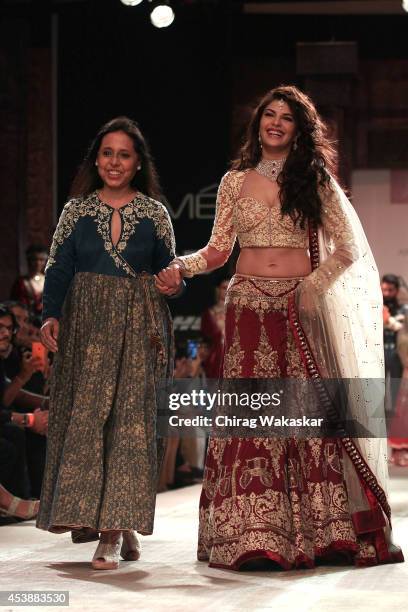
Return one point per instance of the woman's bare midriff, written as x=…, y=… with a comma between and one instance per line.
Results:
x=274, y=262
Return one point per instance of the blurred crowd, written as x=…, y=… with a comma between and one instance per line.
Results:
x=395, y=318
x=25, y=371
x=197, y=359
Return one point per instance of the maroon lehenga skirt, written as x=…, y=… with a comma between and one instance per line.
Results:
x=282, y=499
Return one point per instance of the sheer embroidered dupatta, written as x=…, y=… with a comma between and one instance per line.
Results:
x=339, y=307
x=337, y=319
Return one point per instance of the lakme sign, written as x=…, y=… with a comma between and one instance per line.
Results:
x=200, y=205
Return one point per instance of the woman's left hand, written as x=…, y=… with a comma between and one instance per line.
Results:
x=168, y=281
x=164, y=289
x=305, y=299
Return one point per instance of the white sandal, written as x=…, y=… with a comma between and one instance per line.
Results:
x=130, y=550
x=107, y=554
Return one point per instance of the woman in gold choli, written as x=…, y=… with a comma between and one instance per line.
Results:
x=305, y=280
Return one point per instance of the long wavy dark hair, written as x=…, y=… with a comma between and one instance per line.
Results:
x=145, y=180
x=307, y=166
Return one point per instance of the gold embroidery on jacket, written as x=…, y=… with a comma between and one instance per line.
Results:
x=139, y=208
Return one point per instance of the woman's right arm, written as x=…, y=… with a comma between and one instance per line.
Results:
x=223, y=235
x=60, y=267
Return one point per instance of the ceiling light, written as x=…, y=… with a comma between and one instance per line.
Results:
x=131, y=2
x=162, y=15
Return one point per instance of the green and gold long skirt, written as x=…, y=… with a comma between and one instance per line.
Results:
x=103, y=456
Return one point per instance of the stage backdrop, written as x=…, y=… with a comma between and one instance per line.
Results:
x=381, y=200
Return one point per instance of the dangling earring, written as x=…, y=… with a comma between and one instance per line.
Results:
x=96, y=163
x=259, y=140
x=295, y=143
x=139, y=167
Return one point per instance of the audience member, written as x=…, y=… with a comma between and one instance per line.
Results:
x=28, y=289
x=20, y=362
x=192, y=448
x=15, y=424
x=27, y=332
x=182, y=369
x=393, y=318
x=212, y=327
x=398, y=434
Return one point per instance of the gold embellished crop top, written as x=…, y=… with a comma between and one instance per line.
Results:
x=260, y=225
x=256, y=224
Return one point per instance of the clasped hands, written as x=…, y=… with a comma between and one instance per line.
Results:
x=168, y=281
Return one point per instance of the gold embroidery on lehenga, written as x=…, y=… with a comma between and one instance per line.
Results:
x=209, y=482
x=315, y=445
x=271, y=509
x=295, y=367
x=233, y=358
x=339, y=498
x=224, y=482
x=216, y=446
x=274, y=522
x=333, y=458
x=255, y=293
x=266, y=358
x=287, y=496
x=366, y=552
x=295, y=479
x=256, y=467
x=275, y=446
x=235, y=467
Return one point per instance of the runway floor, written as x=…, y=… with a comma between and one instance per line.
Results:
x=168, y=575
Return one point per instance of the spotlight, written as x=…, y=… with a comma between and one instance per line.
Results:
x=405, y=5
x=162, y=15
x=131, y=2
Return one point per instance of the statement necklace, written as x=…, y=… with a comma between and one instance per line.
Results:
x=271, y=168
